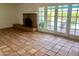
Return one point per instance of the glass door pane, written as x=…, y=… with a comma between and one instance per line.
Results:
x=50, y=18
x=73, y=21
x=74, y=29
x=41, y=18
x=62, y=19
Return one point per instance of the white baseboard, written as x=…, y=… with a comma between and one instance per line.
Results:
x=3, y=27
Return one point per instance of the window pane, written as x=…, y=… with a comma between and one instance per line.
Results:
x=78, y=14
x=48, y=27
x=59, y=19
x=52, y=13
x=78, y=8
x=48, y=23
x=72, y=26
x=49, y=19
x=39, y=21
x=59, y=13
x=52, y=23
x=60, y=10
x=39, y=13
x=64, y=30
x=74, y=8
x=77, y=32
x=42, y=13
x=41, y=25
x=73, y=20
x=42, y=18
x=77, y=20
x=52, y=28
x=63, y=24
x=64, y=19
x=39, y=18
x=49, y=9
x=60, y=6
x=59, y=24
x=65, y=9
x=52, y=18
x=53, y=10
x=42, y=9
x=49, y=14
x=77, y=26
x=65, y=6
x=74, y=13
x=58, y=29
x=72, y=31
x=64, y=13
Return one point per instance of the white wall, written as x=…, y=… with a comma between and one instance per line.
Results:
x=7, y=15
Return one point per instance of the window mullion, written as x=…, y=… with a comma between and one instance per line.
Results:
x=68, y=19
x=55, y=19
x=45, y=16
x=76, y=22
x=62, y=20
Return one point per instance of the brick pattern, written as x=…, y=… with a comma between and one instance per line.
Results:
x=14, y=42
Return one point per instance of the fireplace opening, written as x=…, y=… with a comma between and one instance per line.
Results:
x=28, y=22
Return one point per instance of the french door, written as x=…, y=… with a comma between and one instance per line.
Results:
x=74, y=25
x=50, y=18
x=63, y=19
x=47, y=18
x=41, y=21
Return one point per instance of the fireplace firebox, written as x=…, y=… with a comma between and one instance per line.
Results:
x=28, y=22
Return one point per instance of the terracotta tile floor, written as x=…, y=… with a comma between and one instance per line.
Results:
x=14, y=42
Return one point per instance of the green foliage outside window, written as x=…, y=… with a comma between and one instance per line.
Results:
x=41, y=25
